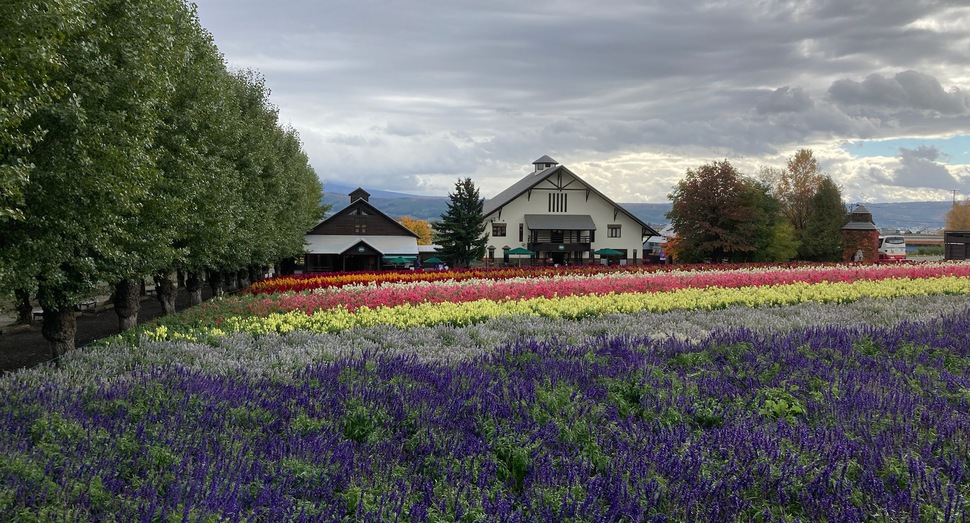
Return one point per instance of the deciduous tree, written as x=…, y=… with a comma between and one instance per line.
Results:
x=156, y=159
x=797, y=186
x=461, y=231
x=95, y=166
x=958, y=217
x=420, y=227
x=718, y=214
x=31, y=35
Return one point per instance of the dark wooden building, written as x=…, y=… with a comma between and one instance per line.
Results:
x=860, y=237
x=956, y=245
x=359, y=237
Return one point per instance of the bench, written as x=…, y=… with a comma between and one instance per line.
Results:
x=86, y=305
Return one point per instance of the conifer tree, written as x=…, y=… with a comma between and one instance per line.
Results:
x=827, y=216
x=461, y=231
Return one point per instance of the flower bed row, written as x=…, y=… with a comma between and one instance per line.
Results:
x=305, y=282
x=821, y=424
x=406, y=315
x=550, y=285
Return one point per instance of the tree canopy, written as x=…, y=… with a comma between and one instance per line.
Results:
x=140, y=154
x=812, y=205
x=827, y=215
x=719, y=214
x=461, y=231
x=420, y=227
x=958, y=217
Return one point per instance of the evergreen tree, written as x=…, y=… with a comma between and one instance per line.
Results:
x=823, y=238
x=461, y=231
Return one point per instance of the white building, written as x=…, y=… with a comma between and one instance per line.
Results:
x=561, y=219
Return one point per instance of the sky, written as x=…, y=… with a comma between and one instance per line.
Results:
x=412, y=96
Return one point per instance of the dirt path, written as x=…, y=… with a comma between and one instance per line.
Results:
x=24, y=346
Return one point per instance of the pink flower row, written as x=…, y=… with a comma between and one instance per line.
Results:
x=522, y=288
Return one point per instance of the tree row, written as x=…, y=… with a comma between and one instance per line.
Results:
x=130, y=150
x=719, y=214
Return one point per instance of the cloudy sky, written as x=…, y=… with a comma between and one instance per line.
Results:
x=411, y=95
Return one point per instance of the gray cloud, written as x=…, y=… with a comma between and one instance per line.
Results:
x=786, y=100
x=906, y=90
x=414, y=94
x=919, y=169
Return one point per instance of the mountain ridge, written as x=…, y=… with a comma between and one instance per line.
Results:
x=892, y=215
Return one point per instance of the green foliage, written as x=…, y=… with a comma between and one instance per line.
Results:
x=127, y=149
x=822, y=236
x=764, y=227
x=783, y=245
x=461, y=231
x=780, y=404
x=31, y=33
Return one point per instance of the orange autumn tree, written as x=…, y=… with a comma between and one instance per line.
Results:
x=958, y=217
x=420, y=227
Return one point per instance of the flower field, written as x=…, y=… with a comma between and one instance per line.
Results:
x=815, y=393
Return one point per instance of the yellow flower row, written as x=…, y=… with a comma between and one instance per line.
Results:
x=572, y=307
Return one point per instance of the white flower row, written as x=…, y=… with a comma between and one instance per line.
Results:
x=280, y=356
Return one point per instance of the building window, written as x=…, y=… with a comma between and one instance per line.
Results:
x=521, y=231
x=557, y=202
x=498, y=229
x=360, y=225
x=613, y=231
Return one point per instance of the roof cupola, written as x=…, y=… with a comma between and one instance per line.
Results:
x=544, y=163
x=359, y=194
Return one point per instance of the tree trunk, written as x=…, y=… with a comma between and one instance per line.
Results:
x=244, y=278
x=127, y=299
x=193, y=285
x=215, y=281
x=232, y=281
x=25, y=311
x=59, y=330
x=166, y=291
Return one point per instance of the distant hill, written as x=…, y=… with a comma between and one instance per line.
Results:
x=905, y=215
x=901, y=215
x=342, y=189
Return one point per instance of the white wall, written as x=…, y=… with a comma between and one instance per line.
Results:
x=601, y=211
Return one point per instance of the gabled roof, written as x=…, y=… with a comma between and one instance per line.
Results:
x=532, y=179
x=517, y=188
x=397, y=245
x=358, y=204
